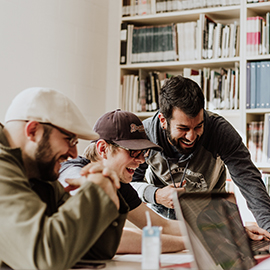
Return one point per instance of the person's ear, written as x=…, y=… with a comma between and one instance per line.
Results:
x=102, y=148
x=33, y=130
x=163, y=121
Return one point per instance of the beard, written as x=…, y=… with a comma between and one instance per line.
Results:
x=176, y=143
x=43, y=153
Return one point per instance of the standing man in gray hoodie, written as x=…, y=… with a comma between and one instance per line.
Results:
x=197, y=145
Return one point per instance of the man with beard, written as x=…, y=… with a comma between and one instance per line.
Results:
x=197, y=144
x=41, y=226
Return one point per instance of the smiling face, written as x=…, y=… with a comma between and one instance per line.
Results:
x=183, y=132
x=119, y=160
x=52, y=149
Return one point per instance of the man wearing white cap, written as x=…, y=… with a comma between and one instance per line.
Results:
x=40, y=226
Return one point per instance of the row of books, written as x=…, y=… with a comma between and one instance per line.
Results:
x=258, y=139
x=258, y=81
x=153, y=43
x=201, y=39
x=216, y=40
x=258, y=35
x=221, y=88
x=139, y=92
x=144, y=7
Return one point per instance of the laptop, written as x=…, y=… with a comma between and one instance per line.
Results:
x=215, y=233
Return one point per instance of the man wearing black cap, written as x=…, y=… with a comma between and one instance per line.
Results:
x=41, y=226
x=122, y=147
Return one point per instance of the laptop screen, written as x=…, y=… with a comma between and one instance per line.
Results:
x=213, y=220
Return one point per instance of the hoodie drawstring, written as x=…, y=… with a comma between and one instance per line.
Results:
x=184, y=173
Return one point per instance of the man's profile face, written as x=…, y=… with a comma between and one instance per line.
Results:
x=52, y=150
x=184, y=132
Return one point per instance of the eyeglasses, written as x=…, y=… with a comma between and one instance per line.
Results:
x=133, y=153
x=72, y=139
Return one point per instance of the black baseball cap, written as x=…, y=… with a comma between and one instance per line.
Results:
x=125, y=129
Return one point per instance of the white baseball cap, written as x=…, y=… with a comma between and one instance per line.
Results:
x=47, y=105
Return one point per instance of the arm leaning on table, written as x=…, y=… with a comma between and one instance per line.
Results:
x=171, y=238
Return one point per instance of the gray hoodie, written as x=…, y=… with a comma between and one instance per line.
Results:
x=204, y=169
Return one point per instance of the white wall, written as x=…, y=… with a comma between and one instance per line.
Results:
x=56, y=43
x=113, y=72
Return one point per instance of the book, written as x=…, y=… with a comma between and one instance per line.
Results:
x=125, y=8
x=153, y=7
x=253, y=85
x=214, y=90
x=248, y=93
x=250, y=33
x=142, y=91
x=233, y=38
x=232, y=91
x=148, y=92
x=161, y=6
x=135, y=93
x=259, y=149
x=133, y=7
x=123, y=45
x=266, y=83
x=227, y=87
x=267, y=32
x=206, y=23
x=236, y=95
x=258, y=84
x=129, y=94
x=144, y=7
x=258, y=35
x=263, y=86
x=180, y=28
x=206, y=85
x=218, y=40
x=265, y=155
x=154, y=105
x=225, y=41
x=157, y=87
x=211, y=26
x=253, y=139
x=263, y=37
x=129, y=43
x=135, y=45
x=268, y=144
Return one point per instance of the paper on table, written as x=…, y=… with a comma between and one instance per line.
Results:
x=164, y=258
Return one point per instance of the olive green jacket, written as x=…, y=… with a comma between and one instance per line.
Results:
x=42, y=227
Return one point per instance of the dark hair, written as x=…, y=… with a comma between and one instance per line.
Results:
x=182, y=93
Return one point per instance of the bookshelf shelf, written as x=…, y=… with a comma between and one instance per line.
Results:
x=240, y=115
x=220, y=13
x=258, y=57
x=257, y=111
x=175, y=65
x=259, y=7
x=263, y=167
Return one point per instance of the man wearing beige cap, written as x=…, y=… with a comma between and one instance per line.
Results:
x=41, y=226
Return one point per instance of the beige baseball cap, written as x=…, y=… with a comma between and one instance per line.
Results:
x=47, y=105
